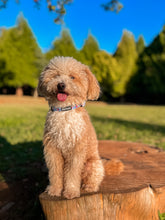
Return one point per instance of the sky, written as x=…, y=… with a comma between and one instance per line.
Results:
x=141, y=17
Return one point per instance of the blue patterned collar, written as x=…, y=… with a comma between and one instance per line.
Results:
x=67, y=108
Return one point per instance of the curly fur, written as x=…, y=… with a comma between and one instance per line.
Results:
x=70, y=142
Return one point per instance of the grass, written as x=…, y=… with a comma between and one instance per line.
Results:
x=22, y=123
x=21, y=129
x=161, y=216
x=145, y=124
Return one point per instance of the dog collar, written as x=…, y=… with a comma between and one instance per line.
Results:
x=67, y=108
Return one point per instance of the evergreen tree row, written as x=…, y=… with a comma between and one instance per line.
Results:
x=20, y=57
x=133, y=73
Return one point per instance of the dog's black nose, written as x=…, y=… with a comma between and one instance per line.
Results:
x=61, y=86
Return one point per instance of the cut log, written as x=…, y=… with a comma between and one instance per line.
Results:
x=137, y=193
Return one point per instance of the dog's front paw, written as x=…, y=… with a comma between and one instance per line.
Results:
x=53, y=191
x=71, y=193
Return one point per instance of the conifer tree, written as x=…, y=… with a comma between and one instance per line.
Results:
x=140, y=45
x=105, y=68
x=22, y=55
x=4, y=75
x=147, y=84
x=126, y=56
x=63, y=46
x=88, y=50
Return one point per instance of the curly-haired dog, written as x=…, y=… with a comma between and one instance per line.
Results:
x=70, y=142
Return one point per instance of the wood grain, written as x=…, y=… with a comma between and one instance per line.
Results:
x=137, y=193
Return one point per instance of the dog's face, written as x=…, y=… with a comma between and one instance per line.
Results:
x=65, y=81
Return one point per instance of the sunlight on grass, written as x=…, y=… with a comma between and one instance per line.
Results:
x=22, y=123
x=136, y=123
x=25, y=123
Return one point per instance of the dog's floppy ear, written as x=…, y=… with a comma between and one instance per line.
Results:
x=93, y=86
x=41, y=85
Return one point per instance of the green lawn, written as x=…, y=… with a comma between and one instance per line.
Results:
x=137, y=123
x=21, y=129
x=22, y=124
x=25, y=122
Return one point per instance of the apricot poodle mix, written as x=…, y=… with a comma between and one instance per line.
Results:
x=70, y=142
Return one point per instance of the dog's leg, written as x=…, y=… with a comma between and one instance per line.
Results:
x=93, y=174
x=55, y=163
x=72, y=174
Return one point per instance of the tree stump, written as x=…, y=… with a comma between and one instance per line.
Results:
x=136, y=193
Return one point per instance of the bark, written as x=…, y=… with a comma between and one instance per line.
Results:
x=137, y=193
x=19, y=91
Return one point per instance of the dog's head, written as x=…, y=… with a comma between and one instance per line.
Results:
x=65, y=80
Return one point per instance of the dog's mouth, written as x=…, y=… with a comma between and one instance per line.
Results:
x=62, y=96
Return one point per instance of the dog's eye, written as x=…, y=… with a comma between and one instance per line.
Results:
x=72, y=77
x=57, y=75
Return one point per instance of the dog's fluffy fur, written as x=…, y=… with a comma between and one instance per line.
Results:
x=70, y=142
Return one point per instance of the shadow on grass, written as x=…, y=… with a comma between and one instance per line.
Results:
x=130, y=124
x=22, y=167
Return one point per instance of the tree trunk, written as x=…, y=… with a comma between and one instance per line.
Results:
x=19, y=91
x=137, y=193
x=35, y=93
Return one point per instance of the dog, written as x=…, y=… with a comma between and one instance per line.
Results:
x=70, y=142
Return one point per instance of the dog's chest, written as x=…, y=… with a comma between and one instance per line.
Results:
x=66, y=128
